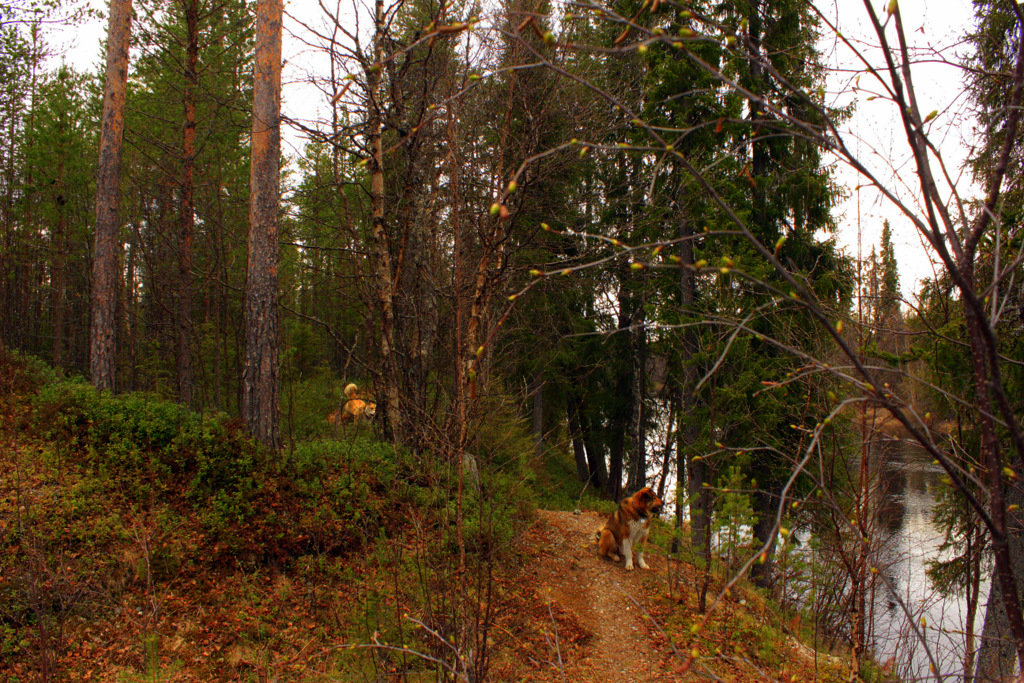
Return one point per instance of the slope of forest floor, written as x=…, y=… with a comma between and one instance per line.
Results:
x=564, y=615
x=590, y=620
x=598, y=625
x=336, y=567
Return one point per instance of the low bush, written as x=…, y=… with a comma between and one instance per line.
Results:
x=323, y=496
x=150, y=446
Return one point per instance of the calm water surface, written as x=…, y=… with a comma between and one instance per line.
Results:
x=911, y=484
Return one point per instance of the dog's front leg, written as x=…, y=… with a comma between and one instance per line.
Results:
x=627, y=553
x=640, y=559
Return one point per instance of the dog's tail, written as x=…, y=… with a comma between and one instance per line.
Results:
x=350, y=390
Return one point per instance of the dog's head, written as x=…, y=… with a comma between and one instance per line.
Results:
x=646, y=502
x=370, y=411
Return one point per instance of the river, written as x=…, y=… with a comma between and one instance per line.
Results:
x=907, y=538
x=910, y=486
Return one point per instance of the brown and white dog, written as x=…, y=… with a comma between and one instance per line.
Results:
x=356, y=409
x=627, y=529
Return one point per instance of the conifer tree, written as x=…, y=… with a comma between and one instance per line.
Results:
x=60, y=173
x=188, y=169
x=260, y=376
x=107, y=250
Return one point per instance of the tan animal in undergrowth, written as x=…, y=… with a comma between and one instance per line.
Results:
x=627, y=529
x=356, y=408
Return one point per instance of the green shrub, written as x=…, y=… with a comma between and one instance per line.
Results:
x=21, y=374
x=347, y=485
x=318, y=497
x=149, y=446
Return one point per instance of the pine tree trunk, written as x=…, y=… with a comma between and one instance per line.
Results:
x=107, y=249
x=622, y=420
x=260, y=375
x=670, y=437
x=766, y=497
x=637, y=321
x=595, y=454
x=131, y=313
x=1007, y=521
x=997, y=651
x=699, y=495
x=537, y=419
x=638, y=389
x=16, y=295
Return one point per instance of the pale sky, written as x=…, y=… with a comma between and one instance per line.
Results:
x=876, y=135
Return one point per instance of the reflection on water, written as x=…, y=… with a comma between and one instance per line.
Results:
x=909, y=485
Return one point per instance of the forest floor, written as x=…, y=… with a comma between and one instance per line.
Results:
x=99, y=585
x=140, y=603
x=580, y=618
x=600, y=623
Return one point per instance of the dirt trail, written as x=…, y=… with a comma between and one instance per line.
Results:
x=606, y=605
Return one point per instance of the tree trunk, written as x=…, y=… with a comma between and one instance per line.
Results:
x=537, y=419
x=579, y=450
x=1004, y=532
x=132, y=307
x=58, y=293
x=767, y=494
x=107, y=248
x=765, y=504
x=638, y=389
x=622, y=420
x=637, y=321
x=690, y=467
x=14, y=307
x=617, y=449
x=699, y=495
x=260, y=375
x=183, y=313
x=383, y=280
x=670, y=437
x=595, y=452
x=997, y=652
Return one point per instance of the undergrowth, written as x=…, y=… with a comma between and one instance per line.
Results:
x=140, y=540
x=216, y=551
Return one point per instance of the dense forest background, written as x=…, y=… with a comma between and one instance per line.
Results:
x=597, y=232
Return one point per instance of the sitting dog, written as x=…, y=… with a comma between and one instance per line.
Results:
x=354, y=408
x=628, y=527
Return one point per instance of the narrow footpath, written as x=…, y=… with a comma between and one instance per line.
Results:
x=598, y=621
